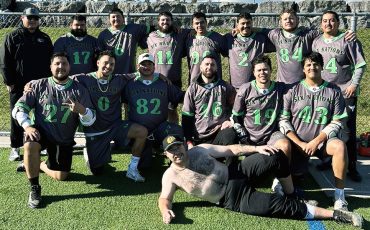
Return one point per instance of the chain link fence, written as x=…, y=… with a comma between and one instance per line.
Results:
x=57, y=24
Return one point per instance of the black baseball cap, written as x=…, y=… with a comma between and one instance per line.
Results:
x=171, y=140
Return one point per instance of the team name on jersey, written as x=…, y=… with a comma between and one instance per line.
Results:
x=201, y=43
x=80, y=46
x=206, y=97
x=148, y=90
x=164, y=43
x=330, y=49
x=312, y=97
x=261, y=101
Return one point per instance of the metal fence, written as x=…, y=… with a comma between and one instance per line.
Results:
x=57, y=24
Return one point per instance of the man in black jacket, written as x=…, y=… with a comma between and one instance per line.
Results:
x=24, y=56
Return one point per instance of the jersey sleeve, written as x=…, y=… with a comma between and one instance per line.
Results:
x=356, y=54
x=339, y=107
x=143, y=32
x=239, y=102
x=59, y=45
x=188, y=108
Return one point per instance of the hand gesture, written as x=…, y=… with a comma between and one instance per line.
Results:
x=27, y=88
x=310, y=148
x=75, y=106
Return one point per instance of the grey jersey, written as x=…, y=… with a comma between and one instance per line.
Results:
x=340, y=59
x=80, y=52
x=168, y=50
x=124, y=43
x=198, y=47
x=51, y=116
x=310, y=110
x=148, y=100
x=290, y=52
x=259, y=108
x=242, y=51
x=106, y=99
x=210, y=105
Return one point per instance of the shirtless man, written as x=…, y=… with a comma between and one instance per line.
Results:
x=198, y=173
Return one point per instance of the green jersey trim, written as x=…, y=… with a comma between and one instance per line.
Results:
x=162, y=35
x=323, y=85
x=66, y=85
x=237, y=114
x=270, y=88
x=206, y=35
x=245, y=38
x=340, y=116
x=187, y=114
x=359, y=65
x=121, y=29
x=95, y=75
x=24, y=106
x=333, y=39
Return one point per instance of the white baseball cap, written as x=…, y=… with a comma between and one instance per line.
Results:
x=145, y=57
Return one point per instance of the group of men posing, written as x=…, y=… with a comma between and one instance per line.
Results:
x=280, y=124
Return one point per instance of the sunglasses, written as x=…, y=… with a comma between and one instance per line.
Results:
x=30, y=17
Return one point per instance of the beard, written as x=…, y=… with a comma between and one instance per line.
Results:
x=166, y=31
x=61, y=78
x=78, y=33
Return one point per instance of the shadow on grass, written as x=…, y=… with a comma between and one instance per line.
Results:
x=179, y=208
x=114, y=183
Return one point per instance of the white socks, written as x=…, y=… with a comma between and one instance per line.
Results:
x=339, y=194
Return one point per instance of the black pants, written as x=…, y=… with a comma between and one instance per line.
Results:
x=351, y=106
x=241, y=195
x=16, y=131
x=222, y=137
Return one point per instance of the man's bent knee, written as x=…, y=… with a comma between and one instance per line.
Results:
x=137, y=131
x=32, y=147
x=60, y=175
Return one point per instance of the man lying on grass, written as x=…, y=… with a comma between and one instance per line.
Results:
x=198, y=173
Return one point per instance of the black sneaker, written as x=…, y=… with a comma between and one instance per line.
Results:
x=354, y=175
x=348, y=217
x=21, y=168
x=34, y=199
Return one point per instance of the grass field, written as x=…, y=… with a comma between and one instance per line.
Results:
x=113, y=202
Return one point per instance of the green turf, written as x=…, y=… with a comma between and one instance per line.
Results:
x=113, y=202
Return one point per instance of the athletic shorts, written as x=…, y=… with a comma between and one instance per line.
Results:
x=98, y=147
x=299, y=161
x=59, y=155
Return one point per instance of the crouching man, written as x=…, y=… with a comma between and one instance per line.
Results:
x=59, y=104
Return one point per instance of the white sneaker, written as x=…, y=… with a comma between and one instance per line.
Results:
x=277, y=188
x=133, y=174
x=44, y=152
x=341, y=204
x=14, y=154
